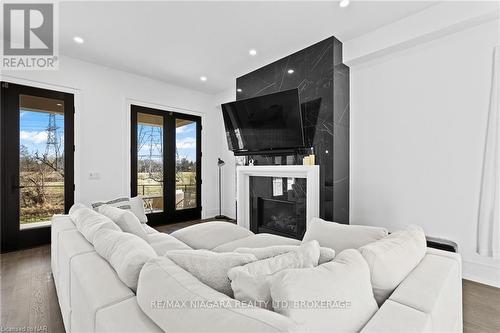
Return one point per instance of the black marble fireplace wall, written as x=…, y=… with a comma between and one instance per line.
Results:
x=323, y=83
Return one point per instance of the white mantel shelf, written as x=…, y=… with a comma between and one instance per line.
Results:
x=243, y=174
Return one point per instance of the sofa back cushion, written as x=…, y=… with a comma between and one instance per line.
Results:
x=89, y=222
x=341, y=236
x=333, y=297
x=251, y=282
x=125, y=252
x=392, y=258
x=168, y=295
x=125, y=219
x=325, y=253
x=210, y=267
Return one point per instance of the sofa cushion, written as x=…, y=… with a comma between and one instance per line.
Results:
x=210, y=267
x=434, y=287
x=125, y=252
x=342, y=236
x=89, y=222
x=163, y=282
x=325, y=254
x=76, y=207
x=94, y=285
x=125, y=219
x=148, y=229
x=209, y=235
x=396, y=317
x=60, y=223
x=392, y=258
x=258, y=240
x=124, y=317
x=336, y=296
x=70, y=244
x=251, y=282
x=162, y=243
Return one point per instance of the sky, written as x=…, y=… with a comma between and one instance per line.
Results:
x=185, y=140
x=33, y=134
x=33, y=130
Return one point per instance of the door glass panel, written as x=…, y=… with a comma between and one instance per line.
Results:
x=41, y=160
x=150, y=161
x=185, y=164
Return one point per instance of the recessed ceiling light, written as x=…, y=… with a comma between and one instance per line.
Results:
x=59, y=104
x=252, y=52
x=78, y=39
x=239, y=90
x=203, y=78
x=344, y=3
x=290, y=71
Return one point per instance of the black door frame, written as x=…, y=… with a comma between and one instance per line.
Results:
x=169, y=214
x=12, y=237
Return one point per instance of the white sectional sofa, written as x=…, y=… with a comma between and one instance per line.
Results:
x=94, y=299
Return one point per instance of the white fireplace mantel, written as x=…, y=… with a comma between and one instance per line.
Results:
x=243, y=174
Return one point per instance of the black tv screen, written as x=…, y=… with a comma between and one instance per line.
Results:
x=263, y=123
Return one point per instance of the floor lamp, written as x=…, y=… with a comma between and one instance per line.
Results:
x=220, y=164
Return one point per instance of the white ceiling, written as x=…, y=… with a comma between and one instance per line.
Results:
x=177, y=42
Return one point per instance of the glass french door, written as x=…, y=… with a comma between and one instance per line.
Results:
x=166, y=164
x=37, y=169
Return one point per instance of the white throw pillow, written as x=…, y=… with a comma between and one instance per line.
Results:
x=251, y=282
x=89, y=222
x=325, y=254
x=210, y=267
x=391, y=259
x=333, y=297
x=76, y=207
x=342, y=236
x=137, y=207
x=125, y=252
x=125, y=219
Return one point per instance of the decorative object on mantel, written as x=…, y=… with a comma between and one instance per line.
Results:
x=220, y=164
x=309, y=159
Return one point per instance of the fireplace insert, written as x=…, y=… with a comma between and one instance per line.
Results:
x=280, y=217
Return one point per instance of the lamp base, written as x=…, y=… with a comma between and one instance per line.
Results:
x=221, y=217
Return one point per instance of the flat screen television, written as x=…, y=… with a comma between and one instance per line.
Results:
x=264, y=123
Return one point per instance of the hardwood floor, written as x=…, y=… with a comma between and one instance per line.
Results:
x=481, y=307
x=28, y=297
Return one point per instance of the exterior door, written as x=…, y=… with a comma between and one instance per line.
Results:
x=37, y=163
x=166, y=164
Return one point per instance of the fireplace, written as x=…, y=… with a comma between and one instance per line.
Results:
x=278, y=205
x=277, y=199
x=280, y=216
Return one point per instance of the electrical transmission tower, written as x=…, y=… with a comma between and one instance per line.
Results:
x=52, y=146
x=150, y=137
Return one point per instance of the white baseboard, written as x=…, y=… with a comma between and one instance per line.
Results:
x=482, y=273
x=209, y=213
x=212, y=212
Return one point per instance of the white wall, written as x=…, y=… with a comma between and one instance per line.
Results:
x=229, y=170
x=418, y=120
x=102, y=123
